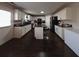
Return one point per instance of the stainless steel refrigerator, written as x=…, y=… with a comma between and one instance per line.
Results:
x=53, y=21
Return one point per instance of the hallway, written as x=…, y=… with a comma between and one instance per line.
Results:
x=28, y=46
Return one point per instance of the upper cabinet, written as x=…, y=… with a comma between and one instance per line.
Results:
x=18, y=14
x=64, y=14
x=22, y=15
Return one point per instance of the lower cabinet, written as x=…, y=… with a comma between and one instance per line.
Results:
x=20, y=31
x=59, y=31
x=17, y=32
x=72, y=40
x=70, y=37
x=25, y=29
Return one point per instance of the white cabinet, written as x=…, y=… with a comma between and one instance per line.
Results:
x=17, y=32
x=20, y=31
x=25, y=29
x=59, y=31
x=19, y=15
x=72, y=40
x=38, y=32
x=23, y=16
x=56, y=29
x=67, y=37
x=64, y=14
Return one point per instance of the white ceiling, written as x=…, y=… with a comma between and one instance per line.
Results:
x=35, y=7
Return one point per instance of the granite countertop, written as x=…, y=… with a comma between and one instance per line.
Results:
x=70, y=29
x=42, y=25
x=20, y=25
x=38, y=25
x=74, y=30
x=64, y=26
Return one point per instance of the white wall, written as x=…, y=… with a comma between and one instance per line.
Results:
x=6, y=33
x=47, y=21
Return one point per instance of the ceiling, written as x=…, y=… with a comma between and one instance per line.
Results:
x=35, y=7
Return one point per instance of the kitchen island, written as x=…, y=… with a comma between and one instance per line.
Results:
x=39, y=31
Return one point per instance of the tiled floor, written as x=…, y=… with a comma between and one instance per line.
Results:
x=28, y=46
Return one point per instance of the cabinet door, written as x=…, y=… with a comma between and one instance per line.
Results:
x=17, y=32
x=27, y=28
x=74, y=41
x=56, y=29
x=67, y=37
x=23, y=16
x=61, y=14
x=23, y=30
x=60, y=32
x=68, y=13
x=19, y=15
x=64, y=14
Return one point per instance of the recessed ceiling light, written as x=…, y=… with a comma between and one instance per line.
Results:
x=42, y=12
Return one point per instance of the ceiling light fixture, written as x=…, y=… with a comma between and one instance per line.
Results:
x=42, y=12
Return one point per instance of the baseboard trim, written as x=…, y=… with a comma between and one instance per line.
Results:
x=25, y=34
x=71, y=51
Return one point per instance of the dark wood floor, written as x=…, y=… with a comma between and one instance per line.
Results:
x=28, y=46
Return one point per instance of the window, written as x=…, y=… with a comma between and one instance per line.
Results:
x=5, y=18
x=26, y=18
